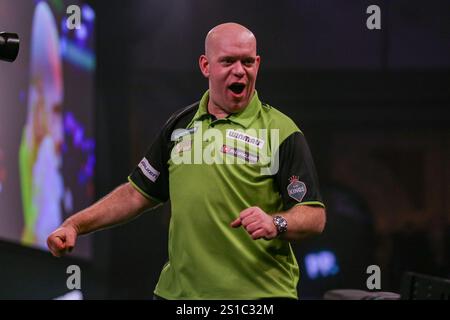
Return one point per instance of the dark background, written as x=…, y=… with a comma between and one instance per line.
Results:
x=370, y=102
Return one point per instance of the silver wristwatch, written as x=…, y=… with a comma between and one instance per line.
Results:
x=280, y=223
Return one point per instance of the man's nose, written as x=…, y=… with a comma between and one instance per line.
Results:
x=238, y=69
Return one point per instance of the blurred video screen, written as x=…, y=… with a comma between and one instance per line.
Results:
x=46, y=120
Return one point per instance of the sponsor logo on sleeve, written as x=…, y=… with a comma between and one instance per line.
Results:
x=151, y=173
x=242, y=136
x=296, y=189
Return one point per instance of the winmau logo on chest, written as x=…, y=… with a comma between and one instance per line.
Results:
x=241, y=136
x=296, y=189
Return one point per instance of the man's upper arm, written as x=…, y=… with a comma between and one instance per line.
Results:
x=151, y=176
x=297, y=178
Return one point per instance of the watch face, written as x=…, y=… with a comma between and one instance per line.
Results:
x=280, y=223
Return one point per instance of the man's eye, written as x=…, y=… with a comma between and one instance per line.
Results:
x=248, y=63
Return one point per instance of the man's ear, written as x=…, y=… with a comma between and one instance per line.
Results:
x=258, y=62
x=204, y=65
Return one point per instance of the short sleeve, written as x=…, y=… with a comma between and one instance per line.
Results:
x=296, y=178
x=150, y=177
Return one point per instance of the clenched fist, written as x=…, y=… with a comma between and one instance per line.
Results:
x=62, y=240
x=257, y=223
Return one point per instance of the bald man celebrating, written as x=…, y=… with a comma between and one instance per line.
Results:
x=232, y=218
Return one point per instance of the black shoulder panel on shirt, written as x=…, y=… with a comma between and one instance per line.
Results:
x=151, y=175
x=180, y=119
x=296, y=178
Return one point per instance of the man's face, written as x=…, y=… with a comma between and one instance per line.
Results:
x=231, y=65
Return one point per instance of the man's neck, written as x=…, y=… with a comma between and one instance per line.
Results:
x=216, y=111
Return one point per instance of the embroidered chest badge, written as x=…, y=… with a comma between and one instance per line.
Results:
x=296, y=189
x=183, y=146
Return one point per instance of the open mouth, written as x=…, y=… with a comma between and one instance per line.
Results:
x=237, y=87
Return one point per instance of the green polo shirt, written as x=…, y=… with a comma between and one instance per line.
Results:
x=212, y=169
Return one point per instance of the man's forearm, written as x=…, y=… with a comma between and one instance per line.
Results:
x=121, y=205
x=303, y=221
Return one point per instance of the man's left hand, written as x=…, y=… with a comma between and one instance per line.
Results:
x=257, y=223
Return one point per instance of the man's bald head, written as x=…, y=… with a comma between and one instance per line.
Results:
x=225, y=31
x=231, y=65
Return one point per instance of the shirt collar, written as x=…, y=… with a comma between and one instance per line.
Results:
x=243, y=118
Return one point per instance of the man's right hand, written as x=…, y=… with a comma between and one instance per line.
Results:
x=62, y=240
